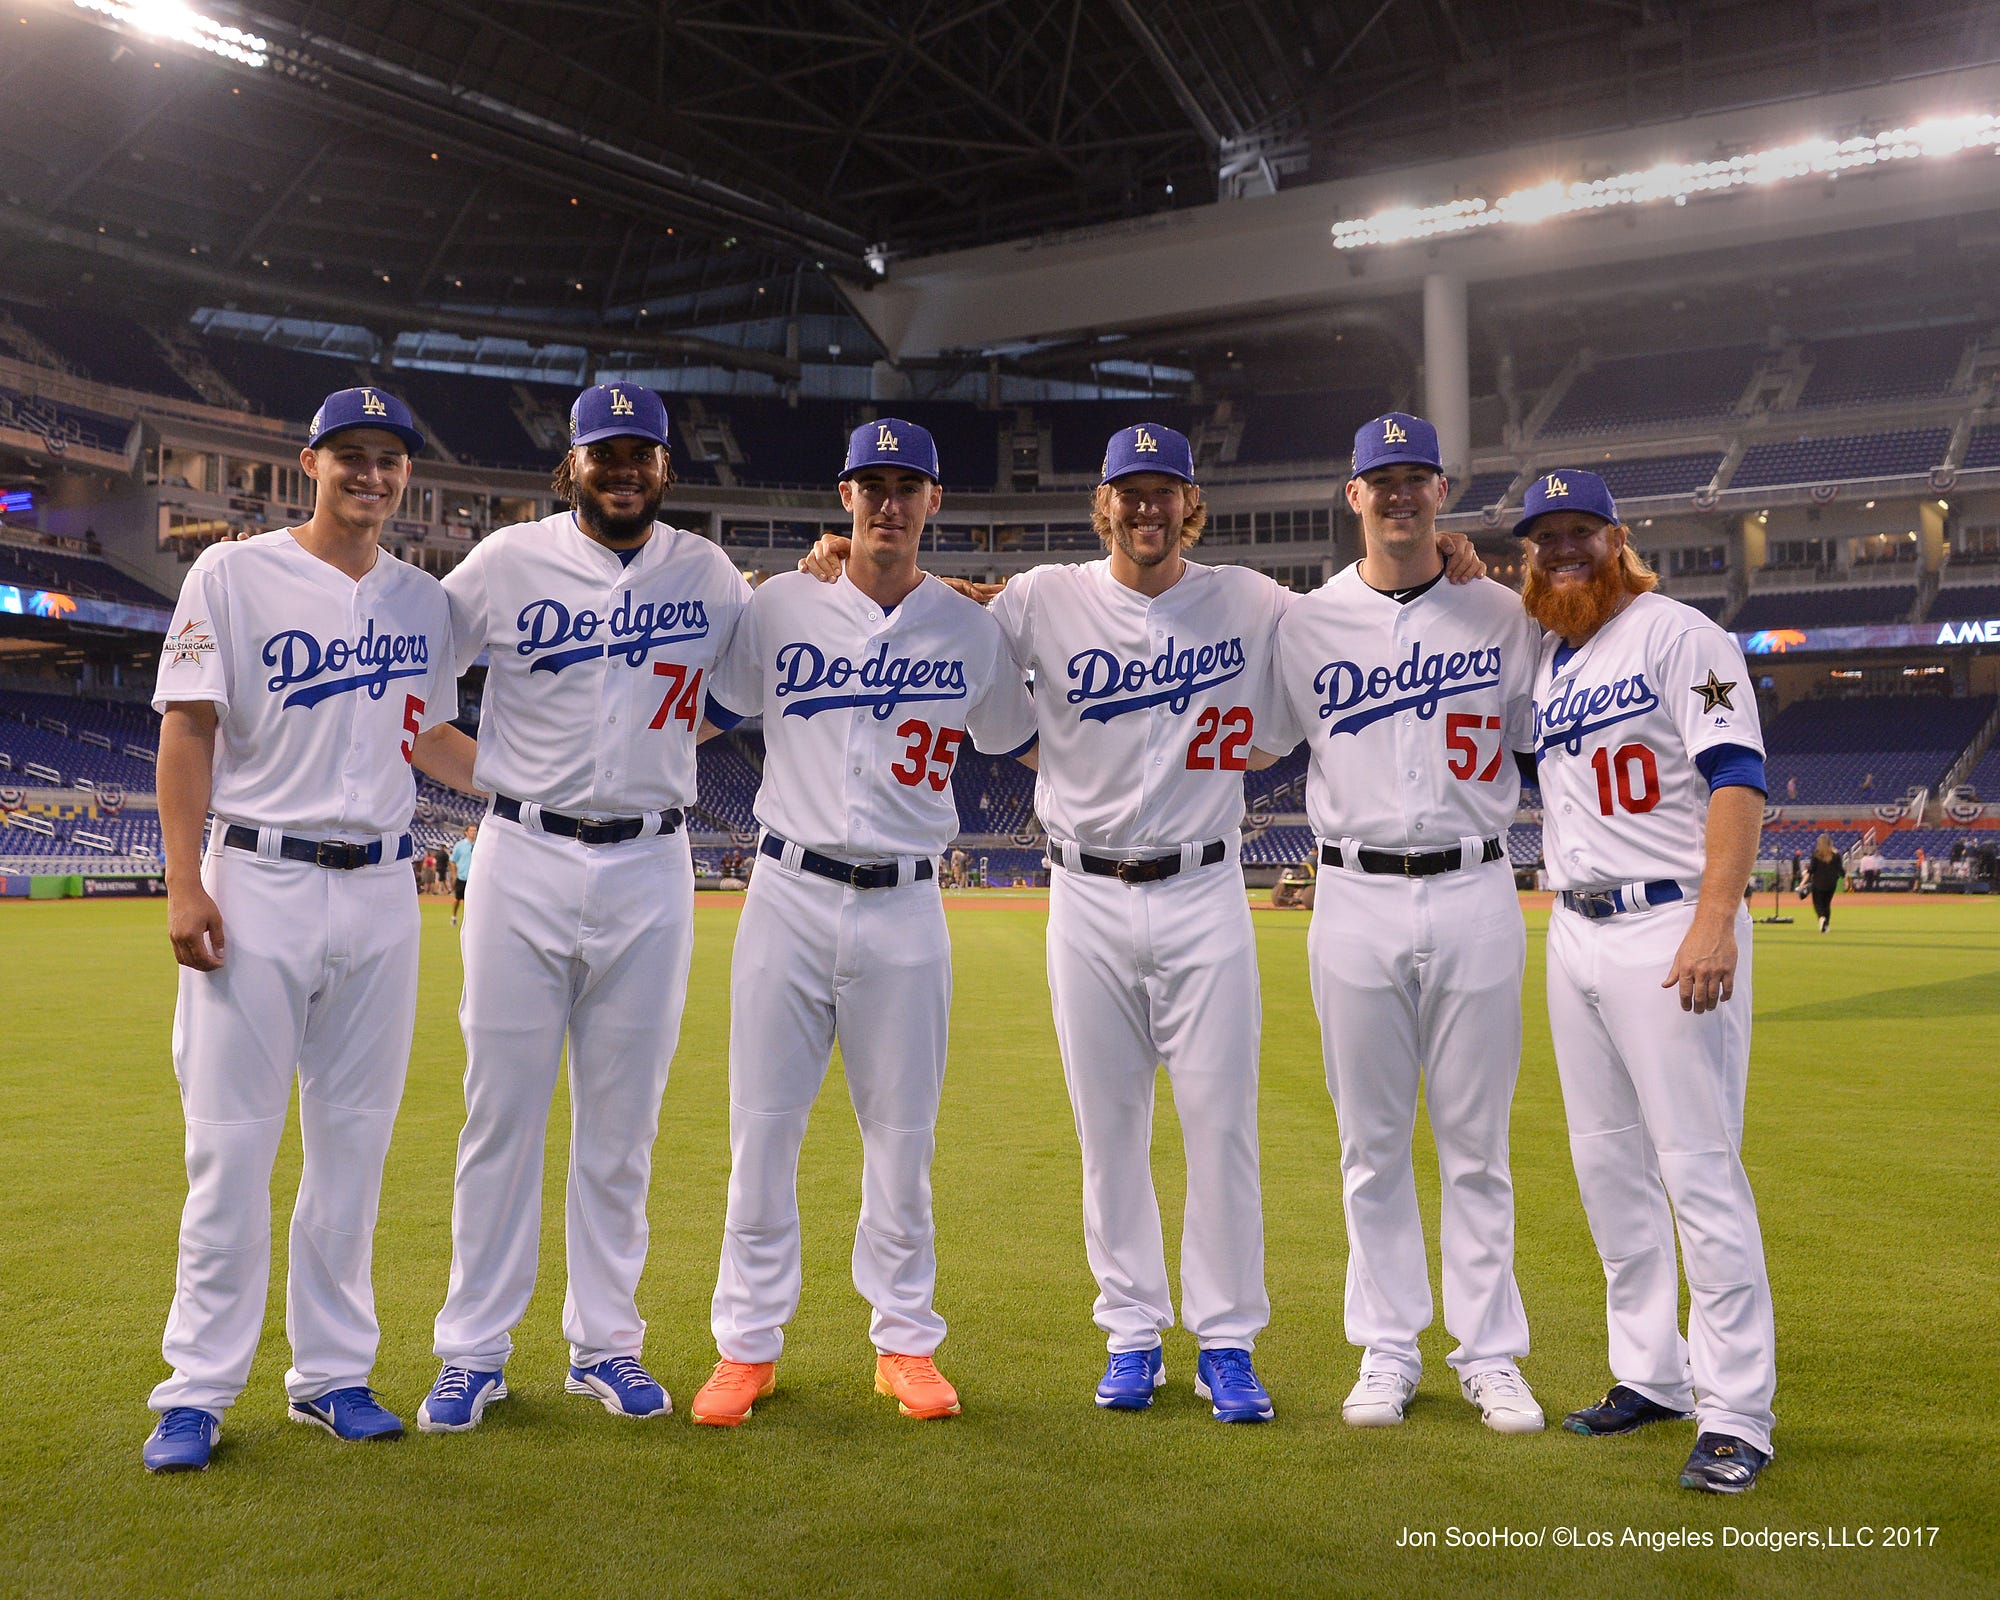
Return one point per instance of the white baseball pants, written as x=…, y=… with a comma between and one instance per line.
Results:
x=592, y=941
x=1417, y=981
x=1654, y=1097
x=1142, y=975
x=319, y=982
x=818, y=962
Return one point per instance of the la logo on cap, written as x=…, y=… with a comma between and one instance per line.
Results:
x=1144, y=442
x=1558, y=490
x=884, y=439
x=371, y=405
x=620, y=406
x=1393, y=432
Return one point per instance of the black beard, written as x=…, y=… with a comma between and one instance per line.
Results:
x=618, y=530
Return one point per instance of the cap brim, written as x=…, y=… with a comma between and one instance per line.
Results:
x=602, y=434
x=412, y=440
x=1133, y=472
x=889, y=461
x=1526, y=523
x=1397, y=461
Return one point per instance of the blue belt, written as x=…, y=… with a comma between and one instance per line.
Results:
x=336, y=854
x=1596, y=904
x=882, y=876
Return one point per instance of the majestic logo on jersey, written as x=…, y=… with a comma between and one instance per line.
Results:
x=371, y=404
x=1581, y=709
x=1714, y=693
x=620, y=406
x=1393, y=432
x=190, y=643
x=558, y=637
x=881, y=683
x=886, y=440
x=1555, y=488
x=1417, y=683
x=1107, y=687
x=310, y=668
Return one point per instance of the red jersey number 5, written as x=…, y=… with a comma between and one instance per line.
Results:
x=413, y=708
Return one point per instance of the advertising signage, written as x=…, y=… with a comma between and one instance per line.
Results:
x=1884, y=636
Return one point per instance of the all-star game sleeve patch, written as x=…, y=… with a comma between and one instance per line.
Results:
x=1713, y=693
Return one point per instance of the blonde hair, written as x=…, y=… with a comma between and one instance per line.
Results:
x=563, y=480
x=1824, y=851
x=1638, y=577
x=1191, y=524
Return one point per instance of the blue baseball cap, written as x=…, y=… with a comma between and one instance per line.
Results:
x=1148, y=447
x=1395, y=439
x=892, y=442
x=617, y=411
x=1566, y=489
x=364, y=408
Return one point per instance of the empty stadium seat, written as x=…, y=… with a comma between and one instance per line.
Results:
x=1833, y=607
x=1848, y=457
x=1821, y=751
x=1908, y=364
x=1673, y=386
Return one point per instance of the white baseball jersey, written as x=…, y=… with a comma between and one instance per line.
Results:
x=1618, y=724
x=321, y=683
x=596, y=668
x=864, y=711
x=1147, y=707
x=1412, y=709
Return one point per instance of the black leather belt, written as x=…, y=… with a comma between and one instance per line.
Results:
x=1422, y=864
x=1147, y=869
x=614, y=831
x=886, y=875
x=336, y=854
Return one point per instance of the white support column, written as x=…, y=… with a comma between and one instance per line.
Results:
x=1447, y=371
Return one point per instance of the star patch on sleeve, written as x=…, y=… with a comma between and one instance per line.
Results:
x=1713, y=693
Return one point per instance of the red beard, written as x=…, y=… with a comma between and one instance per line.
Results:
x=1576, y=611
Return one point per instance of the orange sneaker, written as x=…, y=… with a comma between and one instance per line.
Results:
x=732, y=1390
x=920, y=1389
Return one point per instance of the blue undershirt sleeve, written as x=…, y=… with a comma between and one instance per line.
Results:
x=1732, y=766
x=719, y=714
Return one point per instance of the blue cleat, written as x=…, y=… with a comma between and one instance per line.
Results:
x=457, y=1399
x=625, y=1388
x=182, y=1441
x=352, y=1414
x=1722, y=1464
x=1228, y=1382
x=1130, y=1379
x=1620, y=1411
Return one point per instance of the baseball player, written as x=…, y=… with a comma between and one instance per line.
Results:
x=868, y=689
x=1414, y=694
x=461, y=869
x=1652, y=777
x=305, y=670
x=602, y=625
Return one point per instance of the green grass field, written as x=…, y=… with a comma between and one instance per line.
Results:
x=1869, y=1143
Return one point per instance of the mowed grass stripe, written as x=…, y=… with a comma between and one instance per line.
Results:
x=1871, y=1098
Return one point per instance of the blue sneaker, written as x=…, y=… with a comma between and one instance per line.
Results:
x=352, y=1414
x=1227, y=1381
x=181, y=1441
x=457, y=1399
x=626, y=1388
x=1723, y=1464
x=1130, y=1379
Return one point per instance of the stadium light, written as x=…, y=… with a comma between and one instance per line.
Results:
x=1675, y=181
x=170, y=19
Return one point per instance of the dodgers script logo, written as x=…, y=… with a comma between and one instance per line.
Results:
x=881, y=683
x=1581, y=709
x=298, y=657
x=1107, y=687
x=561, y=637
x=1368, y=694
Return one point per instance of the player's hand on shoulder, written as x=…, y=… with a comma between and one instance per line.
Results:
x=983, y=593
x=1461, y=559
x=1704, y=968
x=825, y=559
x=194, y=924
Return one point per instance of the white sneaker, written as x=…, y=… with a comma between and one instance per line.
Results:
x=1377, y=1400
x=1505, y=1401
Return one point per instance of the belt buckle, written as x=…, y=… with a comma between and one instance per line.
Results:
x=1410, y=864
x=333, y=853
x=1596, y=904
x=1131, y=871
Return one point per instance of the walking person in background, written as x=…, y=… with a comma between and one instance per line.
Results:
x=1824, y=872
